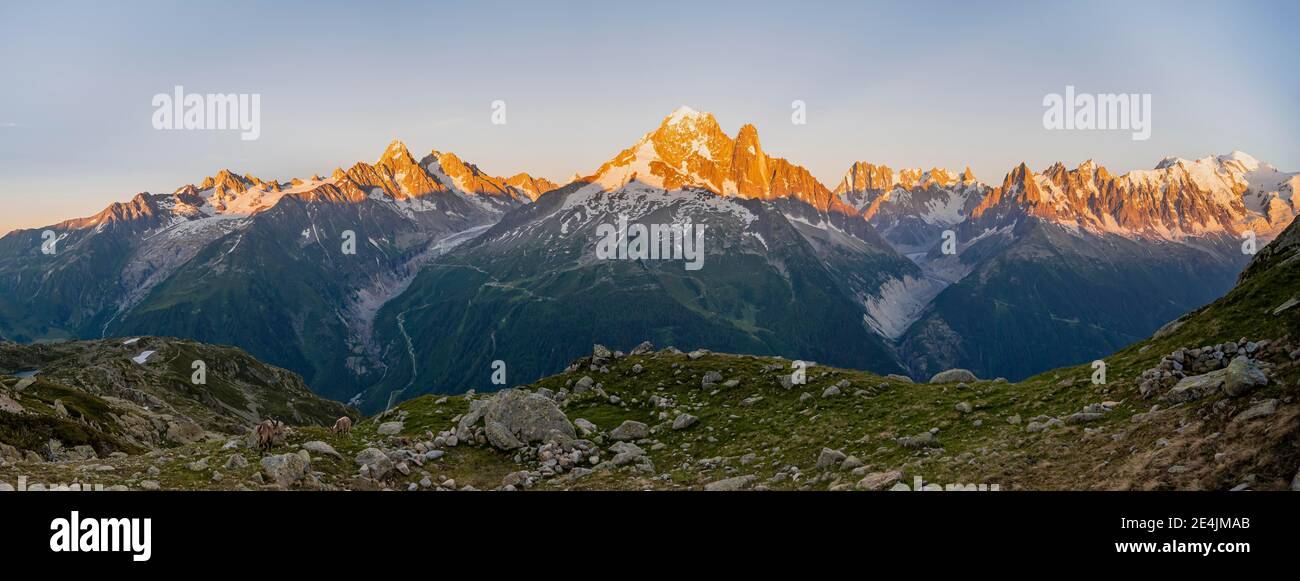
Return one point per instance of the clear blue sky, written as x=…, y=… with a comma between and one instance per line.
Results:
x=909, y=84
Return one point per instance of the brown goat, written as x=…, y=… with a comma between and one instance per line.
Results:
x=342, y=426
x=269, y=433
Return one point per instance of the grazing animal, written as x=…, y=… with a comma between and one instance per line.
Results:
x=269, y=433
x=343, y=426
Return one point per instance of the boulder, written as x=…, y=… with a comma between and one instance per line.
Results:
x=953, y=376
x=683, y=421
x=879, y=480
x=9, y=405
x=376, y=461
x=585, y=427
x=829, y=459
x=1083, y=417
x=499, y=436
x=320, y=447
x=922, y=440
x=184, y=432
x=1262, y=409
x=528, y=417
x=710, y=378
x=851, y=463
x=643, y=348
x=1243, y=376
x=730, y=484
x=390, y=428
x=235, y=462
x=1196, y=387
x=630, y=430
x=285, y=469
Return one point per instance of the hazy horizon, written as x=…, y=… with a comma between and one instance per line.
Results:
x=955, y=86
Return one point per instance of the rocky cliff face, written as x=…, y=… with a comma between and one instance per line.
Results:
x=689, y=149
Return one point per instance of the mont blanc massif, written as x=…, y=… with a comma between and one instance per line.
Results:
x=452, y=268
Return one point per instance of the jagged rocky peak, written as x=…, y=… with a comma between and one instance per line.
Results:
x=1226, y=194
x=864, y=176
x=530, y=186
x=690, y=150
x=142, y=207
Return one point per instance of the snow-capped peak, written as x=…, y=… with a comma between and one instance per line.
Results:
x=1244, y=159
x=690, y=151
x=1224, y=194
x=682, y=113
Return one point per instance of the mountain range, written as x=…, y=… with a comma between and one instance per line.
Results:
x=450, y=268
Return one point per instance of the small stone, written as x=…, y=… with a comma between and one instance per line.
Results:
x=684, y=421
x=879, y=480
x=1261, y=409
x=953, y=376
x=730, y=484
x=630, y=430
x=829, y=458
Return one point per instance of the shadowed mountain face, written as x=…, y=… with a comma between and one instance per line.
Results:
x=409, y=276
x=294, y=272
x=1062, y=267
x=533, y=293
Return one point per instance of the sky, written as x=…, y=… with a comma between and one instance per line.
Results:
x=907, y=84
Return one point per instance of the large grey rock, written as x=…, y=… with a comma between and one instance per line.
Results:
x=829, y=458
x=9, y=405
x=922, y=440
x=643, y=348
x=499, y=436
x=184, y=432
x=1196, y=387
x=528, y=417
x=879, y=480
x=465, y=428
x=730, y=484
x=285, y=469
x=390, y=428
x=1262, y=409
x=953, y=376
x=710, y=378
x=683, y=421
x=585, y=427
x=630, y=430
x=583, y=385
x=627, y=448
x=1083, y=417
x=320, y=447
x=1243, y=376
x=376, y=461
